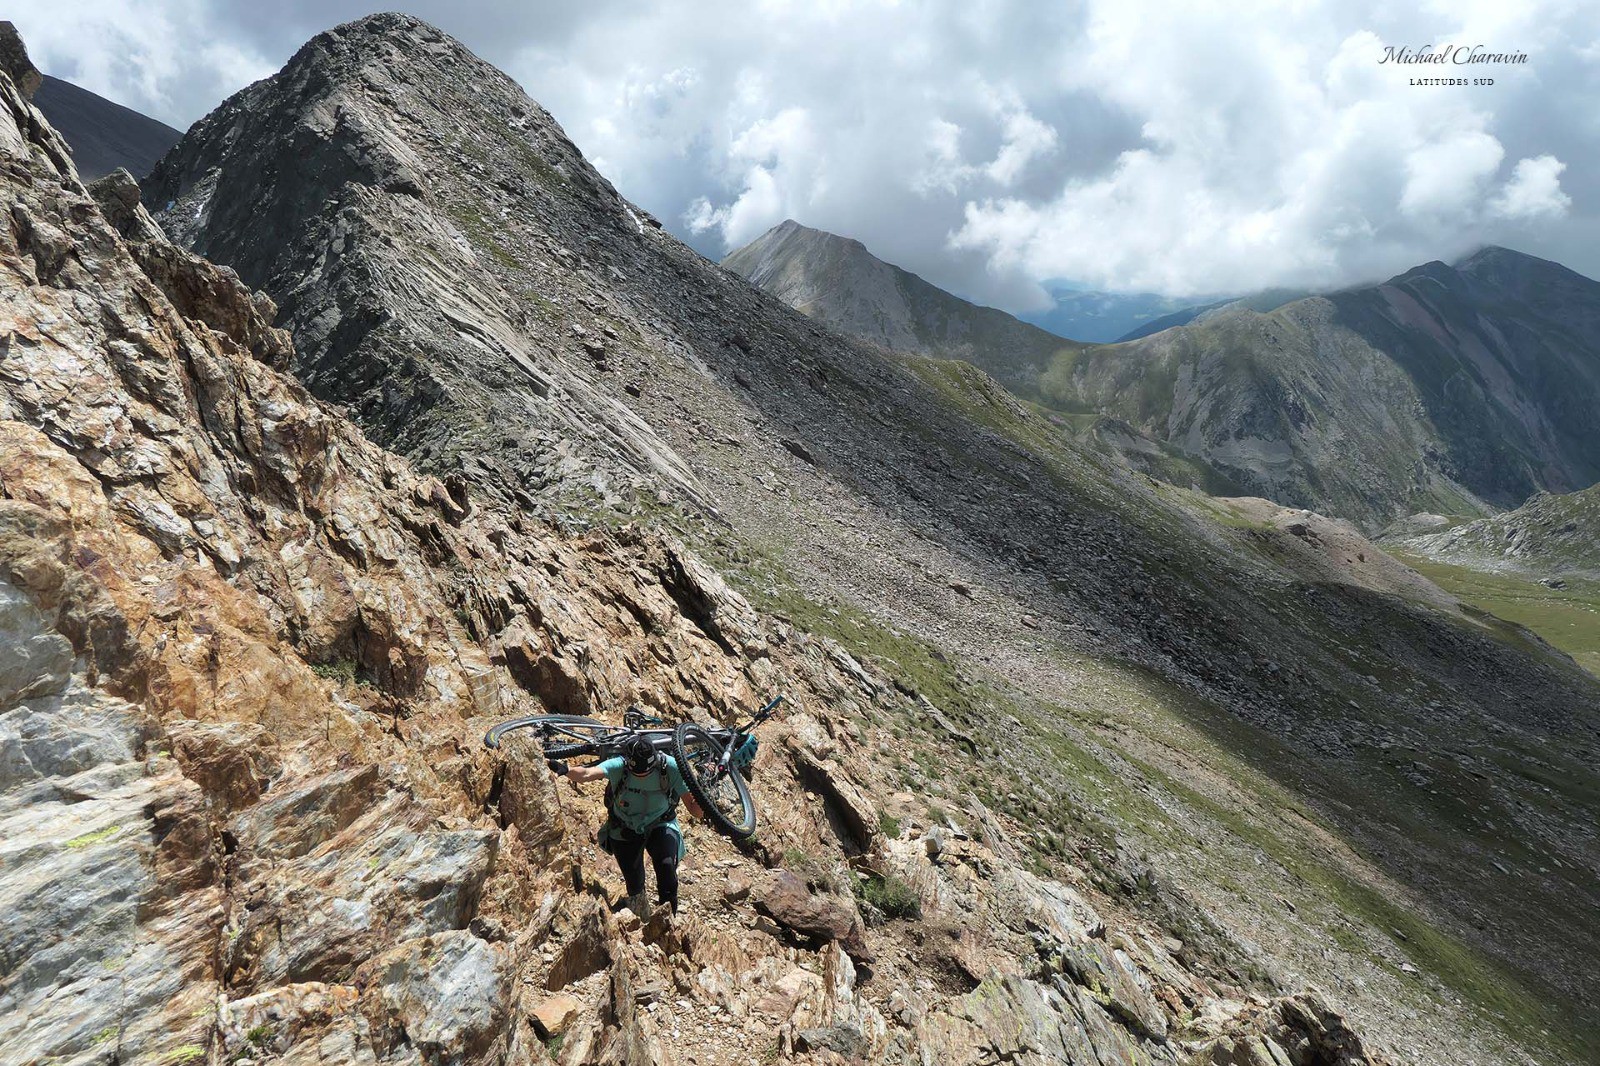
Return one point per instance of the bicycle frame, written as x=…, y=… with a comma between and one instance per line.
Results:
x=635, y=721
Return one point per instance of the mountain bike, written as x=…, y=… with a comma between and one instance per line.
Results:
x=716, y=761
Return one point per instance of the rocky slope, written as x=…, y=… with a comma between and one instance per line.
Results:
x=1550, y=535
x=103, y=136
x=245, y=814
x=1448, y=388
x=1167, y=696
x=836, y=281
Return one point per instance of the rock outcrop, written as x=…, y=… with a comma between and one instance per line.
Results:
x=1549, y=536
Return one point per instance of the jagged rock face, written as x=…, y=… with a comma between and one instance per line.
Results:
x=480, y=299
x=214, y=851
x=837, y=281
x=1446, y=389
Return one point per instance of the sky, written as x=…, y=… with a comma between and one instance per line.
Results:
x=996, y=146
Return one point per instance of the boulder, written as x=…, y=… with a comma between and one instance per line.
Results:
x=553, y=1016
x=1110, y=975
x=784, y=898
x=588, y=952
x=843, y=1040
x=848, y=807
x=735, y=889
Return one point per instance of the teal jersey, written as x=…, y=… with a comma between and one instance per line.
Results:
x=641, y=803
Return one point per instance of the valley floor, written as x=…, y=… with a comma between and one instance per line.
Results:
x=1568, y=615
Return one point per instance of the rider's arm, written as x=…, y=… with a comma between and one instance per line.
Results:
x=576, y=774
x=692, y=807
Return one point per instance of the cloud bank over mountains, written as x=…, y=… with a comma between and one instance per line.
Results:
x=1129, y=145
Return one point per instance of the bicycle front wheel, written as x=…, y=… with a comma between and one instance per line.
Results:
x=723, y=794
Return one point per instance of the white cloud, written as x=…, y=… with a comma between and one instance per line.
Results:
x=152, y=55
x=1127, y=144
x=1275, y=151
x=1534, y=190
x=1446, y=178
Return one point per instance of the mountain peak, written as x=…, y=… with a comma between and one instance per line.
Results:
x=838, y=281
x=789, y=229
x=14, y=61
x=1507, y=266
x=392, y=26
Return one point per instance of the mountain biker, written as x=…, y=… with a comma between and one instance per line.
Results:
x=643, y=787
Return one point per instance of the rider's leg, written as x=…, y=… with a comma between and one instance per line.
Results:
x=629, y=854
x=663, y=847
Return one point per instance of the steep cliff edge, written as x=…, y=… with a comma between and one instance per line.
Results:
x=245, y=813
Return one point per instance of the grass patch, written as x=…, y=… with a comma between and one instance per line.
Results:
x=99, y=836
x=888, y=825
x=1568, y=618
x=484, y=236
x=892, y=896
x=817, y=875
x=340, y=671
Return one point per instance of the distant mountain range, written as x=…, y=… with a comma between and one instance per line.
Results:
x=103, y=135
x=1458, y=389
x=1102, y=317
x=835, y=280
x=1266, y=300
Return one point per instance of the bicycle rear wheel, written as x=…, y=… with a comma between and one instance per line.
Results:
x=571, y=725
x=722, y=793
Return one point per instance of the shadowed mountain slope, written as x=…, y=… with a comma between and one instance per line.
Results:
x=459, y=279
x=103, y=135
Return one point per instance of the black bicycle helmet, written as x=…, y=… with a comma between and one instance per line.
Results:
x=639, y=754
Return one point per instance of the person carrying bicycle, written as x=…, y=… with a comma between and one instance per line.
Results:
x=643, y=787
